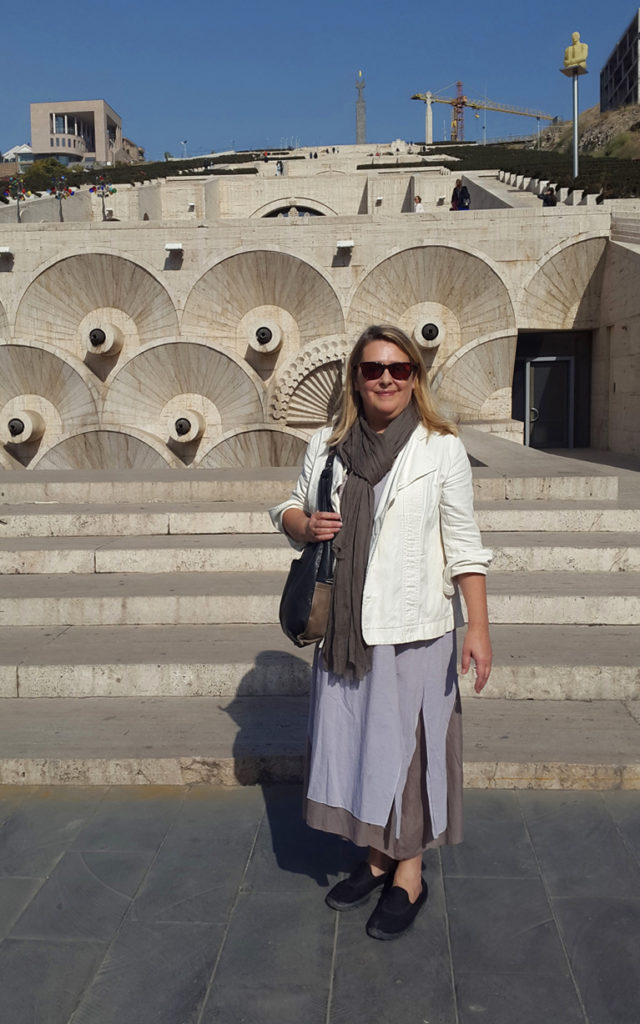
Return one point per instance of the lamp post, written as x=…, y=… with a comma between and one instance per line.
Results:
x=575, y=64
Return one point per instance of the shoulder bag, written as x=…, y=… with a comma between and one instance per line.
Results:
x=304, y=606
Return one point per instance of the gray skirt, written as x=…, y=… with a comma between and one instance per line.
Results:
x=385, y=754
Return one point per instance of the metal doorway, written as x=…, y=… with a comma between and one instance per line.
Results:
x=549, y=392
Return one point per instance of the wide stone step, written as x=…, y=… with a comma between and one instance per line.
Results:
x=543, y=662
x=558, y=552
x=204, y=518
x=155, y=519
x=253, y=597
x=565, y=597
x=268, y=485
x=557, y=516
x=538, y=478
x=245, y=740
x=595, y=552
x=150, y=554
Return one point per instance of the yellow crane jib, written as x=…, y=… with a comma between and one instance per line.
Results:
x=459, y=102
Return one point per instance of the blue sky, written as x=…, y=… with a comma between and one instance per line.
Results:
x=245, y=74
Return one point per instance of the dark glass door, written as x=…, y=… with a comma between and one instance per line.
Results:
x=550, y=402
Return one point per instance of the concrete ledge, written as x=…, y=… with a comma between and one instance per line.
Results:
x=170, y=741
x=254, y=597
x=543, y=662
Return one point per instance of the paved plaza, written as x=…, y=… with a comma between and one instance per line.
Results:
x=194, y=905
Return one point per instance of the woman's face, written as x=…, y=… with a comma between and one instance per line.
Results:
x=385, y=398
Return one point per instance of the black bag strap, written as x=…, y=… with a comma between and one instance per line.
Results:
x=325, y=568
x=324, y=484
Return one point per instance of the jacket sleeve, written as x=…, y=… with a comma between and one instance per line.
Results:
x=461, y=539
x=300, y=494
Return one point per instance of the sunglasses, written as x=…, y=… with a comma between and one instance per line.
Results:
x=399, y=371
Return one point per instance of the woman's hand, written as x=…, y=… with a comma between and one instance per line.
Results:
x=323, y=526
x=306, y=529
x=477, y=645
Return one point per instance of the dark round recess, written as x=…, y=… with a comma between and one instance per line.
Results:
x=16, y=427
x=264, y=335
x=183, y=426
x=430, y=332
x=97, y=336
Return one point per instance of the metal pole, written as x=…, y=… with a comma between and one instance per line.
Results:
x=575, y=122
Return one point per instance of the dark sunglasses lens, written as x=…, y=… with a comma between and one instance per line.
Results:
x=373, y=371
x=400, y=371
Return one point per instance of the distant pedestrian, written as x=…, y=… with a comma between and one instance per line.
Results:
x=549, y=197
x=460, y=198
x=417, y=205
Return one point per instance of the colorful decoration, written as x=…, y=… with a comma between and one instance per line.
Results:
x=60, y=189
x=16, y=190
x=103, y=189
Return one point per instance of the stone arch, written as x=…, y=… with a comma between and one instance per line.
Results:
x=170, y=377
x=475, y=381
x=469, y=291
x=55, y=305
x=285, y=290
x=563, y=291
x=297, y=201
x=308, y=387
x=113, y=448
x=256, y=447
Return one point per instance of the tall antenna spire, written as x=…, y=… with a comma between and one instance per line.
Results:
x=361, y=112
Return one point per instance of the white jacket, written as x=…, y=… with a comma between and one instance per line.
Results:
x=424, y=534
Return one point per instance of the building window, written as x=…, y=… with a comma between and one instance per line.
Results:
x=59, y=129
x=57, y=141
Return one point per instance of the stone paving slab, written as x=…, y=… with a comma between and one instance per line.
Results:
x=535, y=917
x=170, y=740
x=551, y=662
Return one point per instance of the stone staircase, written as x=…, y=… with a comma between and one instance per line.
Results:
x=139, y=636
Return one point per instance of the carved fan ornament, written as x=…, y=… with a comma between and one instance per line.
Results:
x=309, y=385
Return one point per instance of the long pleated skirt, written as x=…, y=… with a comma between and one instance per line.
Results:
x=385, y=753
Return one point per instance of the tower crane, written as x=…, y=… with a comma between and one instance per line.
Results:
x=459, y=102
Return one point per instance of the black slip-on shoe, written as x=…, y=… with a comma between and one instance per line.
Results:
x=394, y=913
x=355, y=890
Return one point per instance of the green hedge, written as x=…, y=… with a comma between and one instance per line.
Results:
x=618, y=179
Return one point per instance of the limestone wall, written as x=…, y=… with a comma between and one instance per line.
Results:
x=115, y=351
x=618, y=349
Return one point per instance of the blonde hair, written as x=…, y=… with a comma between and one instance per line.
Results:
x=350, y=406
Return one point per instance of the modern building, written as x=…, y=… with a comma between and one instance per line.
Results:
x=76, y=131
x=619, y=85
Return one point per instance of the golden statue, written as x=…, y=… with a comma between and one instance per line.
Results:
x=575, y=56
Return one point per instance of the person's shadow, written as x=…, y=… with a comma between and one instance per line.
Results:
x=269, y=749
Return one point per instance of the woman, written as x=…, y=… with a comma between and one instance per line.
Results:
x=385, y=758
